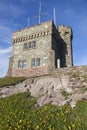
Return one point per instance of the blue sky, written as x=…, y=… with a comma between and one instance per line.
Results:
x=14, y=16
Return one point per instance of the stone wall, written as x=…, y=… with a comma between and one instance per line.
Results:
x=33, y=72
x=75, y=71
x=66, y=48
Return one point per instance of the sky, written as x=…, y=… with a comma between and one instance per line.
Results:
x=14, y=16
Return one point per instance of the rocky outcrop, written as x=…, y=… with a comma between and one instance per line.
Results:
x=57, y=89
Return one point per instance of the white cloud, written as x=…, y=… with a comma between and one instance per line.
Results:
x=5, y=40
x=4, y=60
x=5, y=51
x=5, y=34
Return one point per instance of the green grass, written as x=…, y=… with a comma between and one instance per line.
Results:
x=85, y=78
x=65, y=94
x=10, y=81
x=84, y=89
x=17, y=113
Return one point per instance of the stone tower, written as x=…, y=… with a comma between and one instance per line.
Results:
x=39, y=49
x=66, y=35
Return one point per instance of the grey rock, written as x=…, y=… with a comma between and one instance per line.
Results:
x=48, y=89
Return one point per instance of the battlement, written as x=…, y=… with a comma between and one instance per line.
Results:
x=32, y=32
x=65, y=30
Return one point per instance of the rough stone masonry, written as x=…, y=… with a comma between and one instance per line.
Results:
x=40, y=49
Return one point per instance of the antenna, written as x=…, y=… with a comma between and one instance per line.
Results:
x=40, y=14
x=28, y=22
x=54, y=16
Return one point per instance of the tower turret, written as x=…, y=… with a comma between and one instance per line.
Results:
x=66, y=36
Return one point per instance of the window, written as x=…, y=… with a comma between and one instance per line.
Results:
x=29, y=45
x=33, y=63
x=38, y=61
x=21, y=64
x=34, y=44
x=24, y=64
x=25, y=45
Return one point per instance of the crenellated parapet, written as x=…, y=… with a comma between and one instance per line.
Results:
x=30, y=37
x=31, y=33
x=65, y=30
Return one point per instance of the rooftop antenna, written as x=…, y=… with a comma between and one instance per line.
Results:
x=54, y=16
x=40, y=14
x=28, y=22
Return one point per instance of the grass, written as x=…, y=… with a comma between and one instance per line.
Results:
x=65, y=94
x=10, y=81
x=85, y=78
x=6, y=81
x=17, y=113
x=75, y=75
x=84, y=89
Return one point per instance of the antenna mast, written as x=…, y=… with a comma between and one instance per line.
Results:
x=40, y=14
x=54, y=16
x=28, y=22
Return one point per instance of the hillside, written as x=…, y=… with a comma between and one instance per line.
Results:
x=50, y=102
x=57, y=89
